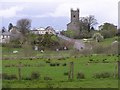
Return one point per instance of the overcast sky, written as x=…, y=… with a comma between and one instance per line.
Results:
x=56, y=13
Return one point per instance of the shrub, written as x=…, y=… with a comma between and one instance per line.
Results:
x=65, y=73
x=91, y=60
x=8, y=77
x=104, y=61
x=47, y=78
x=102, y=75
x=80, y=75
x=98, y=37
x=52, y=64
x=64, y=64
x=63, y=58
x=57, y=64
x=5, y=86
x=5, y=76
x=47, y=61
x=8, y=65
x=27, y=78
x=35, y=75
x=108, y=33
x=13, y=76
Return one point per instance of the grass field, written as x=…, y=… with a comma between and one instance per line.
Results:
x=107, y=41
x=88, y=65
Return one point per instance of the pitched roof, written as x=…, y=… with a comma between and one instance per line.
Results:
x=6, y=33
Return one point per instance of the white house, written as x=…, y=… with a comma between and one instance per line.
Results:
x=5, y=37
x=50, y=30
x=42, y=31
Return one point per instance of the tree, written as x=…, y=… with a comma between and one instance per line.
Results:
x=70, y=33
x=108, y=30
x=87, y=23
x=98, y=37
x=46, y=40
x=24, y=25
x=3, y=29
x=10, y=26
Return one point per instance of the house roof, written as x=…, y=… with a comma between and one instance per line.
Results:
x=49, y=28
x=41, y=29
x=6, y=33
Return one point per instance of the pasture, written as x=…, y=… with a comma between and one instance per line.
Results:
x=90, y=70
x=56, y=69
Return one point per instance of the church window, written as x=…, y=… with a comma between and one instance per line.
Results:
x=74, y=16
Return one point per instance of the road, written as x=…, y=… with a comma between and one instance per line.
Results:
x=78, y=44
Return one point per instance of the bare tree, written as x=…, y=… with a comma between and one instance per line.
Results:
x=24, y=25
x=88, y=22
x=3, y=29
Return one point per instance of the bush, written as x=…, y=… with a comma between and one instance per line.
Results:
x=35, y=75
x=65, y=73
x=7, y=65
x=52, y=64
x=57, y=64
x=64, y=64
x=70, y=33
x=27, y=78
x=47, y=78
x=102, y=75
x=6, y=86
x=108, y=33
x=91, y=60
x=47, y=61
x=104, y=61
x=98, y=37
x=80, y=75
x=62, y=58
x=8, y=77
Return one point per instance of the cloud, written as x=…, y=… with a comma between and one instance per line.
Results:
x=63, y=10
x=103, y=10
x=10, y=12
x=41, y=1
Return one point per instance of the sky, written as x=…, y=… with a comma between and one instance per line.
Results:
x=56, y=13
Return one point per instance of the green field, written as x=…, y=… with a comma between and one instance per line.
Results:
x=88, y=65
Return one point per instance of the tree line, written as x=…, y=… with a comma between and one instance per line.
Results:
x=28, y=39
x=87, y=29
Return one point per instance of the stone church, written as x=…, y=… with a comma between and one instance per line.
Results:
x=74, y=24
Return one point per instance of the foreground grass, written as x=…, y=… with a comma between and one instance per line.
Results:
x=93, y=83
x=88, y=65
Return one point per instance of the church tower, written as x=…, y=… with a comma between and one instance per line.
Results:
x=74, y=24
x=74, y=15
